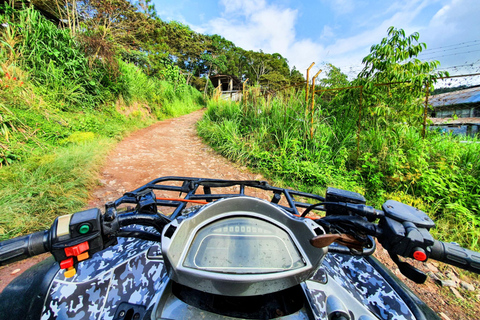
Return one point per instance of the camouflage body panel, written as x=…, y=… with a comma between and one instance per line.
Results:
x=317, y=300
x=133, y=272
x=119, y=274
x=364, y=283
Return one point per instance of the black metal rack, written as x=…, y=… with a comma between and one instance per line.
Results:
x=202, y=189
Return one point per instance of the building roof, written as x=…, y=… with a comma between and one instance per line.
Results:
x=227, y=76
x=44, y=7
x=470, y=95
x=458, y=121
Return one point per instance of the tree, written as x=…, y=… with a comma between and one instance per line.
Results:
x=273, y=81
x=296, y=77
x=260, y=63
x=185, y=45
x=335, y=78
x=394, y=62
x=110, y=27
x=214, y=57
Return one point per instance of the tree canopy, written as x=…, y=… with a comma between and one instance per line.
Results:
x=131, y=30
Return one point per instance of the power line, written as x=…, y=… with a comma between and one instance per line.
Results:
x=451, y=45
x=454, y=54
x=456, y=48
x=462, y=65
x=353, y=70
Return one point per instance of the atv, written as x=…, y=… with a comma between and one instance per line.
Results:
x=214, y=249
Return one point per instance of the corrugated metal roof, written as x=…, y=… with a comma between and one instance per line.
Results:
x=439, y=121
x=470, y=95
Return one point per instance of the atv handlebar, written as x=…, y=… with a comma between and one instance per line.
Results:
x=401, y=229
x=23, y=247
x=455, y=255
x=37, y=243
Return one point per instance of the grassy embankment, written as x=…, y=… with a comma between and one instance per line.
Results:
x=439, y=174
x=60, y=114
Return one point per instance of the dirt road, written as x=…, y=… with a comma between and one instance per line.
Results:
x=168, y=148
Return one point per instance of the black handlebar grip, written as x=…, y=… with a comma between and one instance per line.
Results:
x=23, y=247
x=456, y=256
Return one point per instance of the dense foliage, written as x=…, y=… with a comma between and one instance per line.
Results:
x=366, y=139
x=61, y=110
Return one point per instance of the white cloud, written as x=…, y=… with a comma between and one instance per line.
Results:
x=341, y=7
x=327, y=32
x=453, y=34
x=245, y=7
x=349, y=51
x=254, y=25
x=266, y=27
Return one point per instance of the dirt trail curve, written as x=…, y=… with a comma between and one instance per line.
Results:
x=172, y=148
x=168, y=148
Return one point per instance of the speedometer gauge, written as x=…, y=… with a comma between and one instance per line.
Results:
x=241, y=246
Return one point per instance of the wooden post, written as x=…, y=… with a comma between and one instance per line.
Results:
x=313, y=102
x=359, y=122
x=425, y=111
x=244, y=96
x=306, y=88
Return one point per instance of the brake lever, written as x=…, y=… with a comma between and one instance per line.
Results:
x=324, y=240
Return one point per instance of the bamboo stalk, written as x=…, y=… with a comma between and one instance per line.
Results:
x=313, y=102
x=306, y=89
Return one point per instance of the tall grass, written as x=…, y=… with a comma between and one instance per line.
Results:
x=54, y=59
x=59, y=116
x=439, y=174
x=41, y=188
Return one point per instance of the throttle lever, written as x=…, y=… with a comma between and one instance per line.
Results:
x=408, y=270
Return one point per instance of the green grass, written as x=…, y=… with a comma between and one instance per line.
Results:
x=50, y=157
x=55, y=160
x=52, y=142
x=43, y=187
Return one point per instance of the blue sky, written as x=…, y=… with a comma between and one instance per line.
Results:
x=340, y=32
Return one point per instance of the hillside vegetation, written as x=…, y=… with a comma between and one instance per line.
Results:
x=61, y=112
x=367, y=139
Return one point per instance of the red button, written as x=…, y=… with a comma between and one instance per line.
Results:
x=76, y=250
x=65, y=264
x=420, y=255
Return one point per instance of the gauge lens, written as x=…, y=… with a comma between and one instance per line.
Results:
x=243, y=245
